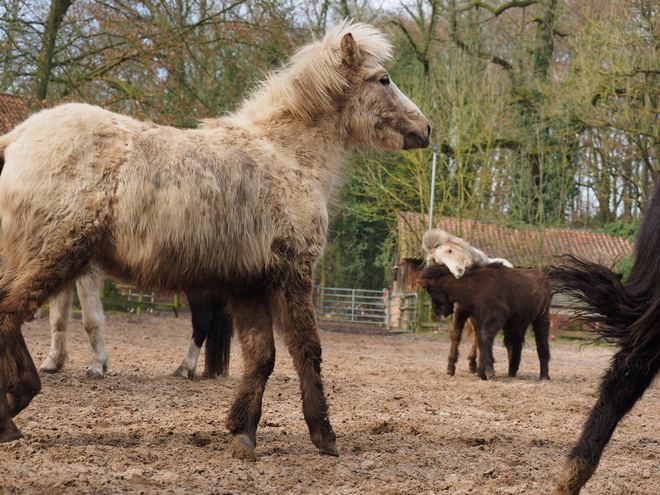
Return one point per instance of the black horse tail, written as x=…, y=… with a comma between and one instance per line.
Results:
x=218, y=341
x=625, y=313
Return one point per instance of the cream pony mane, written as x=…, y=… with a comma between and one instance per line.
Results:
x=310, y=82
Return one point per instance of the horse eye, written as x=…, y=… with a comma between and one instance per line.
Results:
x=385, y=80
x=450, y=251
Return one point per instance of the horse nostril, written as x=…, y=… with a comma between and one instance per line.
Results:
x=428, y=129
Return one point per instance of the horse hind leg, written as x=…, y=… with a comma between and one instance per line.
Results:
x=472, y=355
x=19, y=379
x=622, y=386
x=455, y=334
x=255, y=331
x=15, y=366
x=542, y=335
x=30, y=279
x=59, y=317
x=89, y=292
x=513, y=341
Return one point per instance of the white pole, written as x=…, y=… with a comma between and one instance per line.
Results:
x=435, y=154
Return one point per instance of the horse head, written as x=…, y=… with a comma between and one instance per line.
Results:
x=433, y=280
x=378, y=113
x=452, y=256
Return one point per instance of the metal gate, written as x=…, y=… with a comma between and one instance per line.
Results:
x=402, y=312
x=398, y=313
x=351, y=305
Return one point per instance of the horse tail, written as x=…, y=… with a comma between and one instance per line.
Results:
x=625, y=313
x=218, y=342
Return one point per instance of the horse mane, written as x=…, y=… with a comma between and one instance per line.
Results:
x=435, y=238
x=314, y=76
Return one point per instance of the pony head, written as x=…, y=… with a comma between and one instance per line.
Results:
x=432, y=281
x=340, y=82
x=446, y=249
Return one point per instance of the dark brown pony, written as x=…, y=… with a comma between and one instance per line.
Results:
x=627, y=314
x=494, y=297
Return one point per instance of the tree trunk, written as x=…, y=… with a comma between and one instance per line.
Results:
x=56, y=14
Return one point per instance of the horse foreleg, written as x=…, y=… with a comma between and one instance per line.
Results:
x=296, y=321
x=486, y=335
x=623, y=384
x=542, y=334
x=455, y=335
x=89, y=292
x=513, y=341
x=19, y=379
x=255, y=331
x=59, y=316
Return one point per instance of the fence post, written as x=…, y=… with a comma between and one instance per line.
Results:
x=353, y=305
x=177, y=304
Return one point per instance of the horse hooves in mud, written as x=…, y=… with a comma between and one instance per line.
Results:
x=243, y=448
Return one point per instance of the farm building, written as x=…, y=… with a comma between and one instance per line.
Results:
x=522, y=247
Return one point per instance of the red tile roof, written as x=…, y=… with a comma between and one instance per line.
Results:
x=13, y=111
x=522, y=247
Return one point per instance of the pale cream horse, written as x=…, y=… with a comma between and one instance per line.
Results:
x=238, y=206
x=458, y=255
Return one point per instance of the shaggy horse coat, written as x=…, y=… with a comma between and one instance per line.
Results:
x=454, y=252
x=627, y=314
x=495, y=297
x=237, y=206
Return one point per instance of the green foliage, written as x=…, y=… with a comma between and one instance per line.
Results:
x=627, y=230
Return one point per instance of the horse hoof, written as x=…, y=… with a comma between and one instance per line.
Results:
x=184, y=372
x=451, y=372
x=10, y=433
x=49, y=367
x=243, y=448
x=490, y=375
x=329, y=450
x=93, y=374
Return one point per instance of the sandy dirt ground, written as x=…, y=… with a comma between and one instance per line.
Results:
x=403, y=425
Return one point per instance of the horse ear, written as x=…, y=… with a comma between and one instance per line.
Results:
x=350, y=53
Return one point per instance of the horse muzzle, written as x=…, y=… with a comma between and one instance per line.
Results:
x=414, y=139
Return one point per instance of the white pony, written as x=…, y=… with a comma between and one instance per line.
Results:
x=238, y=207
x=454, y=252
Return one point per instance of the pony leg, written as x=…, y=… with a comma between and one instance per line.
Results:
x=513, y=341
x=255, y=331
x=89, y=292
x=472, y=356
x=296, y=320
x=201, y=314
x=542, y=335
x=621, y=387
x=455, y=335
x=486, y=336
x=19, y=379
x=59, y=317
